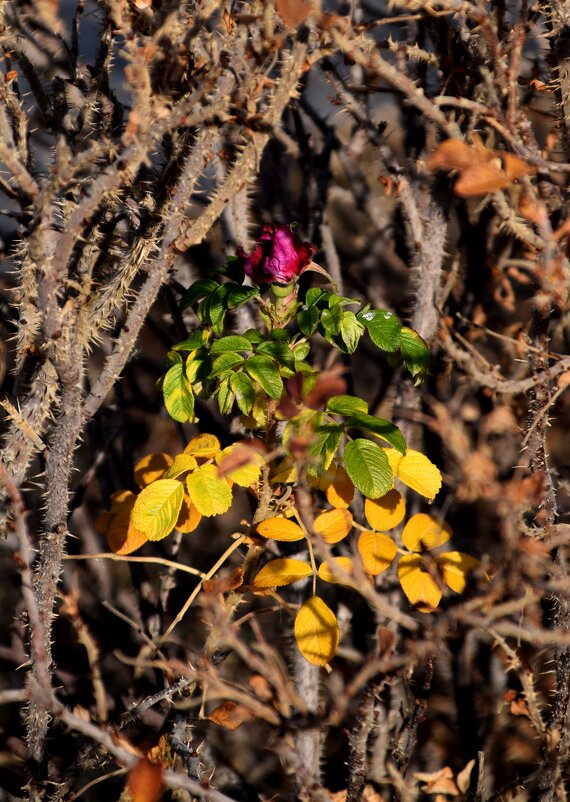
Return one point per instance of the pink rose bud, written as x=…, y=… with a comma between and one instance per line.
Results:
x=278, y=257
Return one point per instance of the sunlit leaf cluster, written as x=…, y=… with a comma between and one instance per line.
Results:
x=423, y=571
x=175, y=493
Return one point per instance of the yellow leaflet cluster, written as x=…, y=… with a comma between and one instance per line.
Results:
x=177, y=492
x=413, y=469
x=422, y=573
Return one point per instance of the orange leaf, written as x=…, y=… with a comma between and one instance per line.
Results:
x=385, y=512
x=377, y=551
x=230, y=715
x=327, y=575
x=102, y=522
x=424, y=532
x=293, y=12
x=280, y=529
x=455, y=567
x=150, y=468
x=453, y=154
x=333, y=525
x=514, y=167
x=280, y=572
x=122, y=536
x=420, y=588
x=316, y=632
x=189, y=517
x=118, y=497
x=144, y=783
x=438, y=782
x=341, y=492
x=480, y=179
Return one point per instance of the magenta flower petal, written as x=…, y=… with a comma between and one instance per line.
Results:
x=278, y=257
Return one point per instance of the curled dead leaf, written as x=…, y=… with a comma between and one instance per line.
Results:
x=224, y=583
x=230, y=715
x=144, y=782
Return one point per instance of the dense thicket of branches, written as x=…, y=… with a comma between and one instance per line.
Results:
x=140, y=143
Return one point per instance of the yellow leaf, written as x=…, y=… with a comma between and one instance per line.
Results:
x=241, y=464
x=189, y=517
x=377, y=551
x=415, y=470
x=280, y=529
x=182, y=464
x=210, y=494
x=455, y=567
x=150, y=468
x=316, y=632
x=420, y=588
x=385, y=512
x=341, y=492
x=325, y=573
x=284, y=473
x=424, y=532
x=205, y=446
x=283, y=571
x=156, y=509
x=333, y=525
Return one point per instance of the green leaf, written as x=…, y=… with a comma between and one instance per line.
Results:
x=331, y=320
x=308, y=320
x=197, y=291
x=299, y=422
x=197, y=370
x=346, y=405
x=232, y=270
x=278, y=351
x=253, y=336
x=244, y=391
x=178, y=395
x=301, y=351
x=172, y=358
x=368, y=468
x=232, y=343
x=325, y=445
x=194, y=341
x=264, y=371
x=225, y=397
x=342, y=300
x=240, y=295
x=214, y=307
x=383, y=428
x=316, y=294
x=226, y=362
x=350, y=331
x=415, y=352
x=383, y=327
x=281, y=335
